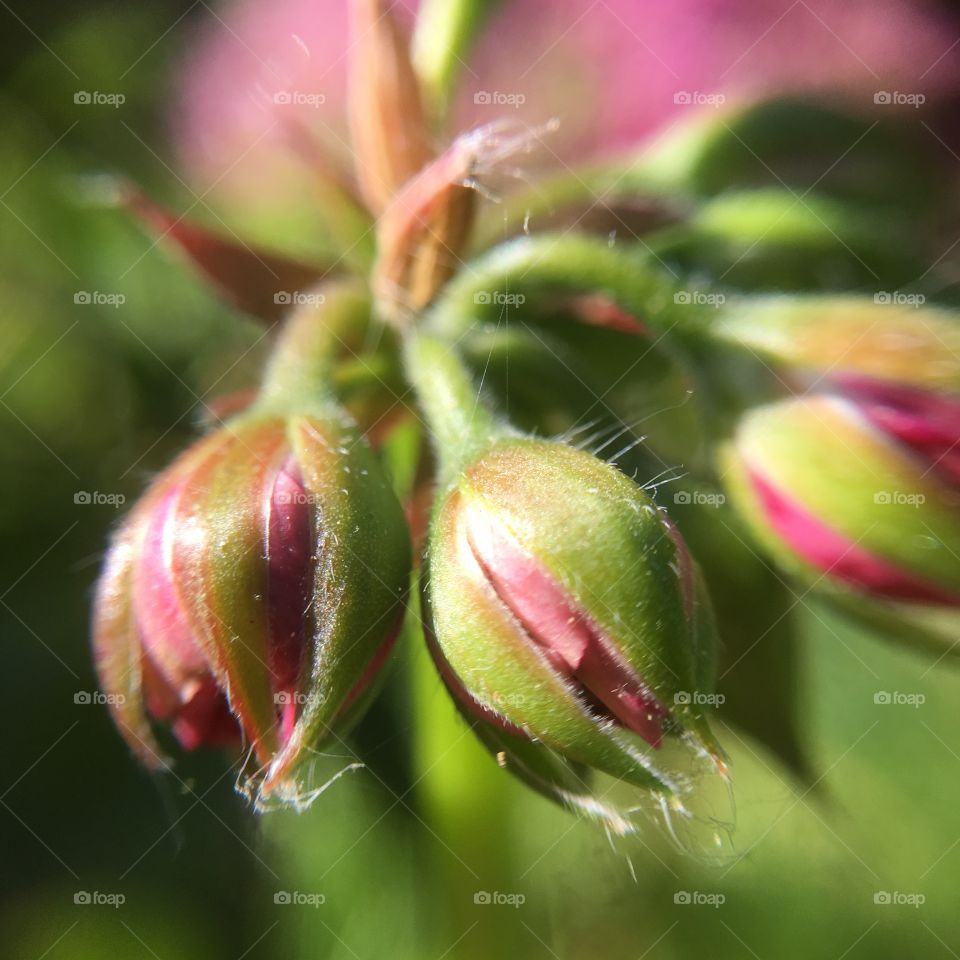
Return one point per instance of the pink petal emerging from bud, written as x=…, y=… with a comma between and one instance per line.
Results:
x=926, y=422
x=288, y=526
x=573, y=644
x=205, y=720
x=178, y=683
x=841, y=558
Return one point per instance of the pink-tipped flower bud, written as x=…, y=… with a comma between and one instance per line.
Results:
x=895, y=359
x=252, y=594
x=844, y=492
x=566, y=619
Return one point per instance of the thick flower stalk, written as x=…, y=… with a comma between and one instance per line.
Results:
x=254, y=592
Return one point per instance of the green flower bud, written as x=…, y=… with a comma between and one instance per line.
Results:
x=254, y=592
x=565, y=615
x=854, y=512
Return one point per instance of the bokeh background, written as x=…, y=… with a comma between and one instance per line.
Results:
x=95, y=397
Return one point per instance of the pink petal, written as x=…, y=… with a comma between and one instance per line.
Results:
x=839, y=557
x=166, y=636
x=288, y=535
x=205, y=720
x=926, y=422
x=177, y=680
x=575, y=646
x=609, y=71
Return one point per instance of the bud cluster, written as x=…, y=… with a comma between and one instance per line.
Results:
x=486, y=414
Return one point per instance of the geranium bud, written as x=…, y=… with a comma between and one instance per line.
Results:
x=844, y=492
x=423, y=232
x=925, y=422
x=897, y=360
x=253, y=592
x=387, y=121
x=892, y=336
x=566, y=617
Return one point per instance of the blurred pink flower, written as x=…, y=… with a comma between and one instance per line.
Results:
x=610, y=70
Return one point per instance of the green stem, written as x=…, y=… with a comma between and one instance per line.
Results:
x=607, y=184
x=461, y=423
x=303, y=359
x=545, y=266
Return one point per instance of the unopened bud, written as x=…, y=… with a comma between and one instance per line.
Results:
x=845, y=504
x=388, y=125
x=566, y=615
x=253, y=593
